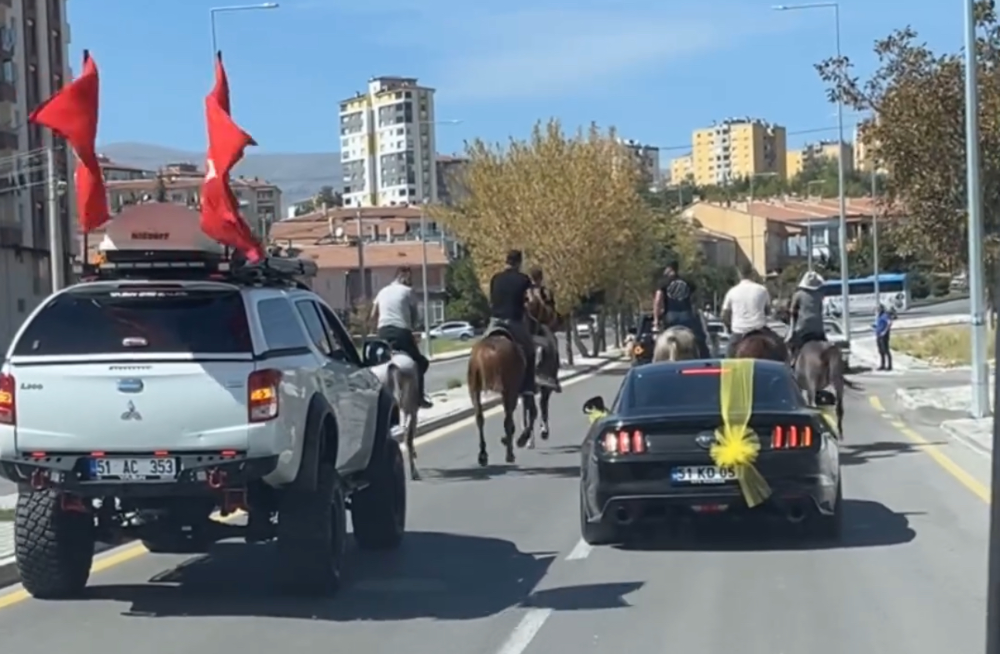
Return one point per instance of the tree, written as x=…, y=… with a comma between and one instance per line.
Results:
x=326, y=196
x=570, y=203
x=919, y=134
x=160, y=192
x=464, y=298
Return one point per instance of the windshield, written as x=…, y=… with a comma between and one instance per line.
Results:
x=669, y=389
x=171, y=320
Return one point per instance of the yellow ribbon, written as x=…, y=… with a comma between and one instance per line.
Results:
x=736, y=445
x=593, y=415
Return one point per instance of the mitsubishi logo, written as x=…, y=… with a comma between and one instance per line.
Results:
x=131, y=414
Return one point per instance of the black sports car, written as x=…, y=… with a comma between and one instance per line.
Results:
x=646, y=458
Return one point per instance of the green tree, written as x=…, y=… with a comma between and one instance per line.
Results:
x=464, y=297
x=919, y=135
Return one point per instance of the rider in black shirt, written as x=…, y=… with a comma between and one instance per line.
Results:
x=673, y=305
x=508, y=294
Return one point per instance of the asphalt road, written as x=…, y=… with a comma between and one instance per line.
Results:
x=493, y=564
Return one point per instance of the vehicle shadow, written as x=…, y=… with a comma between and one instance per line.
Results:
x=434, y=575
x=616, y=371
x=866, y=524
x=475, y=473
x=853, y=455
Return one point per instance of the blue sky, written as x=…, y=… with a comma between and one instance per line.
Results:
x=655, y=70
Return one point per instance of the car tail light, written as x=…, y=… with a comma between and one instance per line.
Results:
x=701, y=371
x=262, y=395
x=791, y=437
x=625, y=441
x=8, y=413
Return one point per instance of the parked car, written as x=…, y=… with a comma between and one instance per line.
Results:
x=718, y=337
x=456, y=330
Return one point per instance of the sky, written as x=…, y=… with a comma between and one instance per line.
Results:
x=655, y=70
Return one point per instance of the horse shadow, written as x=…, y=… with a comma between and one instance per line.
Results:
x=493, y=471
x=853, y=455
x=439, y=576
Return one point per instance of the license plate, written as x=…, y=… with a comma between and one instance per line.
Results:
x=141, y=468
x=702, y=475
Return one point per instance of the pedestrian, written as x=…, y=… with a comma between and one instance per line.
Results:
x=883, y=329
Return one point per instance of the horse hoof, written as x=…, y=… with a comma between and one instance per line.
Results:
x=531, y=444
x=522, y=441
x=510, y=457
x=484, y=459
x=544, y=434
x=415, y=476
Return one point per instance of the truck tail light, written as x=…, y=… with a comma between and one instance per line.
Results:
x=8, y=411
x=262, y=395
x=624, y=441
x=791, y=437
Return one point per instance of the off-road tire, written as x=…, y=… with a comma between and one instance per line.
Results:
x=54, y=549
x=830, y=527
x=378, y=511
x=312, y=536
x=597, y=533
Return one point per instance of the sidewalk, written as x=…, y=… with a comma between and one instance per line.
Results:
x=449, y=407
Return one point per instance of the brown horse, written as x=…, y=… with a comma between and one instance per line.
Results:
x=763, y=344
x=496, y=363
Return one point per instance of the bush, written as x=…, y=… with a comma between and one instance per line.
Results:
x=940, y=286
x=920, y=287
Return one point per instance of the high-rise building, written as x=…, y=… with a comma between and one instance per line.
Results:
x=34, y=63
x=737, y=148
x=681, y=170
x=387, y=144
x=815, y=153
x=863, y=152
x=648, y=159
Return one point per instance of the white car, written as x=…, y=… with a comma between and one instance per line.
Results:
x=718, y=337
x=175, y=383
x=455, y=330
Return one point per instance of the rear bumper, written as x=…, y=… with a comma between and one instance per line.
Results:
x=809, y=489
x=199, y=474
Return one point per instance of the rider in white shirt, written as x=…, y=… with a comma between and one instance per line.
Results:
x=745, y=308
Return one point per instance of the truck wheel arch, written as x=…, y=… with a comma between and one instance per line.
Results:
x=319, y=444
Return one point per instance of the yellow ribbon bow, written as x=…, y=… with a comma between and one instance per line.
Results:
x=736, y=445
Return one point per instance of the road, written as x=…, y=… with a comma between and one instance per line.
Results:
x=493, y=564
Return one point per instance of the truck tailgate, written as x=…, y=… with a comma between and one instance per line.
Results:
x=132, y=407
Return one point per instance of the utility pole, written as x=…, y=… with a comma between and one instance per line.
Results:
x=427, y=302
x=875, y=266
x=361, y=255
x=57, y=253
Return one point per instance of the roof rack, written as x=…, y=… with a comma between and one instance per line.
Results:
x=197, y=265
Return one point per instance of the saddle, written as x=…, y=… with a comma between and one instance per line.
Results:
x=499, y=330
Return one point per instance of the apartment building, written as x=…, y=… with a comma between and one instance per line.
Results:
x=647, y=157
x=34, y=51
x=387, y=144
x=681, y=170
x=863, y=152
x=449, y=178
x=116, y=172
x=260, y=200
x=737, y=148
x=816, y=153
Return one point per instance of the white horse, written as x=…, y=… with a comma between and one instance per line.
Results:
x=675, y=344
x=401, y=377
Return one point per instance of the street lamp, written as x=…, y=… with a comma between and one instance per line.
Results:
x=845, y=316
x=220, y=10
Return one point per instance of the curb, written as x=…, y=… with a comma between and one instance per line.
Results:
x=448, y=356
x=8, y=567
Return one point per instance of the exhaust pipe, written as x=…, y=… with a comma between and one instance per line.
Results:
x=795, y=515
x=623, y=516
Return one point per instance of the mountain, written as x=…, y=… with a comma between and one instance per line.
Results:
x=299, y=176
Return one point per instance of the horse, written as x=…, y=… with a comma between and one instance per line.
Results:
x=675, y=344
x=496, y=363
x=541, y=313
x=400, y=376
x=818, y=365
x=762, y=344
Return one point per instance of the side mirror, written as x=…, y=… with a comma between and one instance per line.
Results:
x=375, y=352
x=825, y=398
x=595, y=403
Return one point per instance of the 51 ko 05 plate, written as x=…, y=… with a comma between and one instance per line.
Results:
x=702, y=475
x=135, y=468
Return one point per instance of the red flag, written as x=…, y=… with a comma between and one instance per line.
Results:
x=72, y=113
x=220, y=214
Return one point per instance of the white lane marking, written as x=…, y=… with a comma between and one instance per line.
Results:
x=525, y=631
x=580, y=551
x=497, y=410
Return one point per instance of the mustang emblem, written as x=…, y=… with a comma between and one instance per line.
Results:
x=131, y=414
x=705, y=440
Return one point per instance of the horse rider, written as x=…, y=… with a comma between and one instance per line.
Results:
x=395, y=312
x=508, y=296
x=745, y=309
x=548, y=362
x=673, y=306
x=806, y=314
